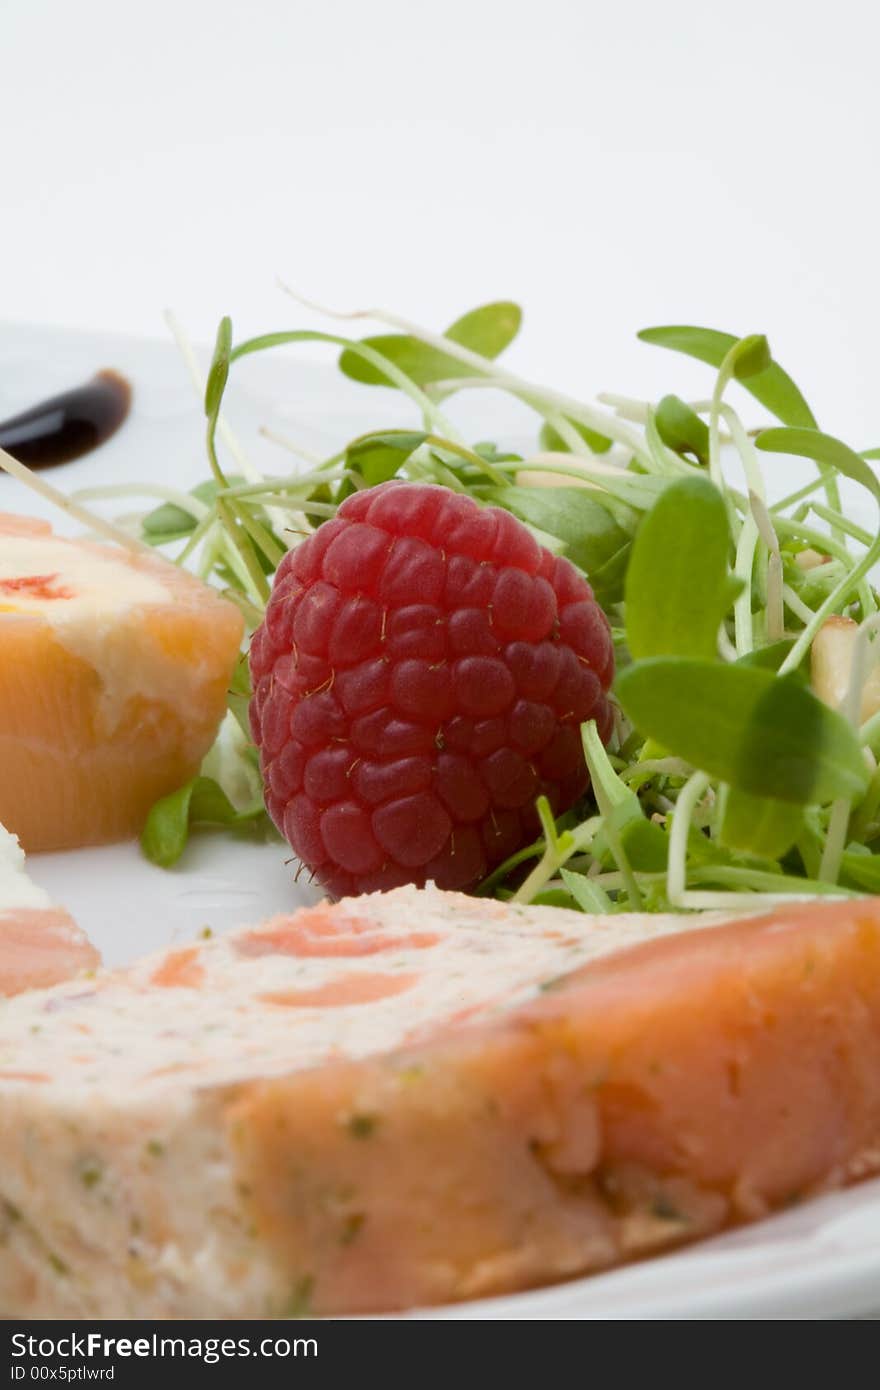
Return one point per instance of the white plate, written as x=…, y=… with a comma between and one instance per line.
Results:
x=820, y=1260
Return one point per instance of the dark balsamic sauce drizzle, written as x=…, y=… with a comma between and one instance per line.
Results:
x=67, y=426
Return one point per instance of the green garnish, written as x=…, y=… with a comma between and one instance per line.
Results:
x=361, y=1126
x=299, y=1304
x=728, y=782
x=352, y=1227
x=91, y=1172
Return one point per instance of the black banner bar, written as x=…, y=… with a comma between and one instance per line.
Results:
x=301, y=1351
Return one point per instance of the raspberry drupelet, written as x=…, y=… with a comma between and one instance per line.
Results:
x=419, y=679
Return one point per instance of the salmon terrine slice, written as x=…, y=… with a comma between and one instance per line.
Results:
x=39, y=944
x=419, y=1097
x=114, y=668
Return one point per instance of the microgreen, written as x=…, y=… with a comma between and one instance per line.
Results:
x=681, y=429
x=201, y=802
x=770, y=385
x=487, y=330
x=594, y=527
x=727, y=780
x=747, y=726
x=551, y=439
x=684, y=535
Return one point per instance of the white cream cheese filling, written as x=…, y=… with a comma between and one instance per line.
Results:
x=16, y=889
x=77, y=581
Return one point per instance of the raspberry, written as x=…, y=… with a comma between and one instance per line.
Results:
x=419, y=680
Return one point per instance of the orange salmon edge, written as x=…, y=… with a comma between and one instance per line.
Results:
x=290, y=935
x=11, y=524
x=347, y=989
x=303, y=943
x=23, y=1076
x=180, y=969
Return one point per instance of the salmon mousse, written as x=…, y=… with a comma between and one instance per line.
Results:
x=40, y=944
x=419, y=1097
x=114, y=667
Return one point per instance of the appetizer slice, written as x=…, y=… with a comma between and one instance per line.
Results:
x=113, y=674
x=39, y=944
x=418, y=1097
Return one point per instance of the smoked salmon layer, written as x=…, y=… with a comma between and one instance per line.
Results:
x=114, y=668
x=39, y=944
x=419, y=1097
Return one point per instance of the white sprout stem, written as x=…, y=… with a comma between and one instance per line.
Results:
x=798, y=607
x=569, y=435
x=234, y=559
x=90, y=520
x=184, y=500
x=864, y=657
x=708, y=901
x=794, y=497
x=624, y=407
x=835, y=840
x=726, y=648
x=775, y=606
x=566, y=431
x=850, y=708
x=298, y=450
x=840, y=591
x=594, y=419
x=715, y=472
x=869, y=733
x=746, y=449
x=676, y=872
x=210, y=539
x=202, y=532
x=742, y=605
x=843, y=524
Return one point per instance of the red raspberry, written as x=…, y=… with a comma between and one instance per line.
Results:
x=419, y=680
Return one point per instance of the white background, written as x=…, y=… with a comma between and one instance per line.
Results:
x=609, y=164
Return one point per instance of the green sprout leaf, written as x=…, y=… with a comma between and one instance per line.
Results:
x=379, y=457
x=646, y=846
x=770, y=657
x=593, y=527
x=752, y=357
x=218, y=374
x=823, y=449
x=201, y=802
x=487, y=330
x=759, y=825
x=553, y=442
x=677, y=586
x=681, y=429
x=770, y=385
x=762, y=733
x=587, y=894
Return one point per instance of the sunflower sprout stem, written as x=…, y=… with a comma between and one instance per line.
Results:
x=594, y=419
x=689, y=796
